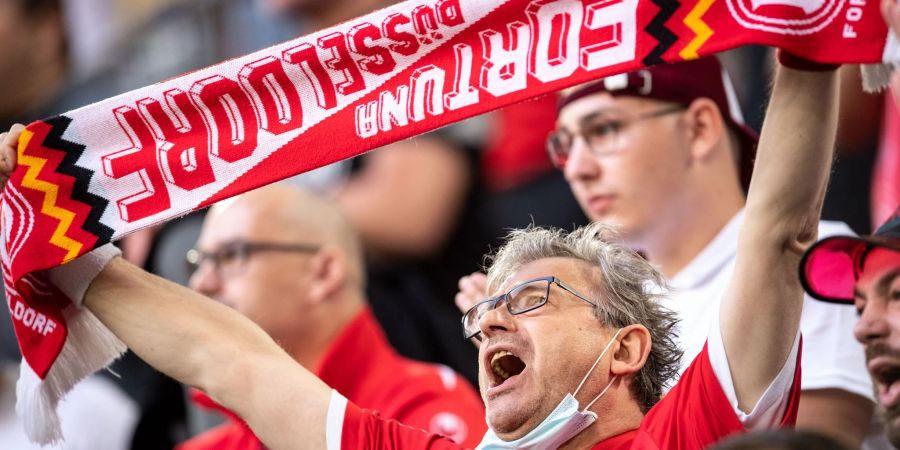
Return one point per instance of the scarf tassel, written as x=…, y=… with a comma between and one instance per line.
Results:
x=90, y=346
x=876, y=77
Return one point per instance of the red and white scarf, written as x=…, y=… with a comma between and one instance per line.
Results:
x=92, y=175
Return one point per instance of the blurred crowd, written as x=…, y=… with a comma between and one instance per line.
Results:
x=420, y=214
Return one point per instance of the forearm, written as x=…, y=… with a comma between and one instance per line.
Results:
x=793, y=159
x=205, y=344
x=761, y=311
x=155, y=317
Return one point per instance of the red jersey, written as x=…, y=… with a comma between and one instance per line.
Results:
x=693, y=415
x=361, y=365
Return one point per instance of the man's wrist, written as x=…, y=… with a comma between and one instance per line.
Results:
x=75, y=277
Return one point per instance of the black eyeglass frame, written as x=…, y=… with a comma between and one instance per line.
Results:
x=494, y=302
x=241, y=249
x=615, y=125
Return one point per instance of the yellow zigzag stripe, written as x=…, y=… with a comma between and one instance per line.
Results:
x=694, y=21
x=49, y=207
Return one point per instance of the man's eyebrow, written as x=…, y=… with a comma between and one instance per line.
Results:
x=531, y=287
x=598, y=113
x=885, y=281
x=881, y=287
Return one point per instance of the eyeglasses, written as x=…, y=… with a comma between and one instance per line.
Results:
x=601, y=135
x=230, y=258
x=524, y=297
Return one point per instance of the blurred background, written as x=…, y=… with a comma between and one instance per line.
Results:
x=57, y=55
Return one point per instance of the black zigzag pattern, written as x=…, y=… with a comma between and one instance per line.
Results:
x=82, y=176
x=657, y=28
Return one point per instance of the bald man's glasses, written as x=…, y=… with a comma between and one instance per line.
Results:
x=230, y=258
x=599, y=133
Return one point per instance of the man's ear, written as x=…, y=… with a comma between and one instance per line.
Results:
x=631, y=352
x=328, y=273
x=705, y=128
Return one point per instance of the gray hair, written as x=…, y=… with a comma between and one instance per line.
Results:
x=627, y=292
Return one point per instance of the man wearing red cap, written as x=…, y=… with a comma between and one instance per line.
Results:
x=865, y=271
x=664, y=155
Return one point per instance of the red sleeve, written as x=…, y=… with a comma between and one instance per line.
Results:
x=366, y=430
x=696, y=413
x=456, y=415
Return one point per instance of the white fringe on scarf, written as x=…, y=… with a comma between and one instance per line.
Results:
x=89, y=347
x=876, y=77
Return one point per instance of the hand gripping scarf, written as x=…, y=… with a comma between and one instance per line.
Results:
x=92, y=175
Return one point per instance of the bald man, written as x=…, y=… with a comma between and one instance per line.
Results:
x=290, y=262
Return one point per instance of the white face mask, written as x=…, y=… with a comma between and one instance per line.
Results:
x=563, y=423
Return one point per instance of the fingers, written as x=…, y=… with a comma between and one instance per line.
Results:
x=471, y=291
x=9, y=142
x=8, y=152
x=476, y=280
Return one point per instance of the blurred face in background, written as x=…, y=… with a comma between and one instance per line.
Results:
x=268, y=287
x=15, y=36
x=635, y=184
x=32, y=54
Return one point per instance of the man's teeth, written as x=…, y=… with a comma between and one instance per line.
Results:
x=495, y=364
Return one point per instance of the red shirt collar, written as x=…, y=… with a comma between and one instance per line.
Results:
x=618, y=442
x=358, y=349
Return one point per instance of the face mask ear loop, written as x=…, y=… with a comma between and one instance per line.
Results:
x=609, y=385
x=595, y=365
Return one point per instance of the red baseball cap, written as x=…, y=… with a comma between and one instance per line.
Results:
x=682, y=82
x=831, y=267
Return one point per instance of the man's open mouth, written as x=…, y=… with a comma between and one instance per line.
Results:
x=505, y=365
x=886, y=376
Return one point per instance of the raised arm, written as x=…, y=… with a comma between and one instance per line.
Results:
x=205, y=344
x=760, y=313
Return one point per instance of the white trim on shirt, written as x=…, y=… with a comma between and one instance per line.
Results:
x=770, y=408
x=831, y=358
x=334, y=422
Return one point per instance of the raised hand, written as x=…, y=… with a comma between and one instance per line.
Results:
x=472, y=289
x=8, y=155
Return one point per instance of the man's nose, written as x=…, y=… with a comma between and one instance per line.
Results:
x=873, y=323
x=206, y=279
x=496, y=320
x=582, y=163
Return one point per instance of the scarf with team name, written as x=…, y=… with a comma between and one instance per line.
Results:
x=94, y=174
